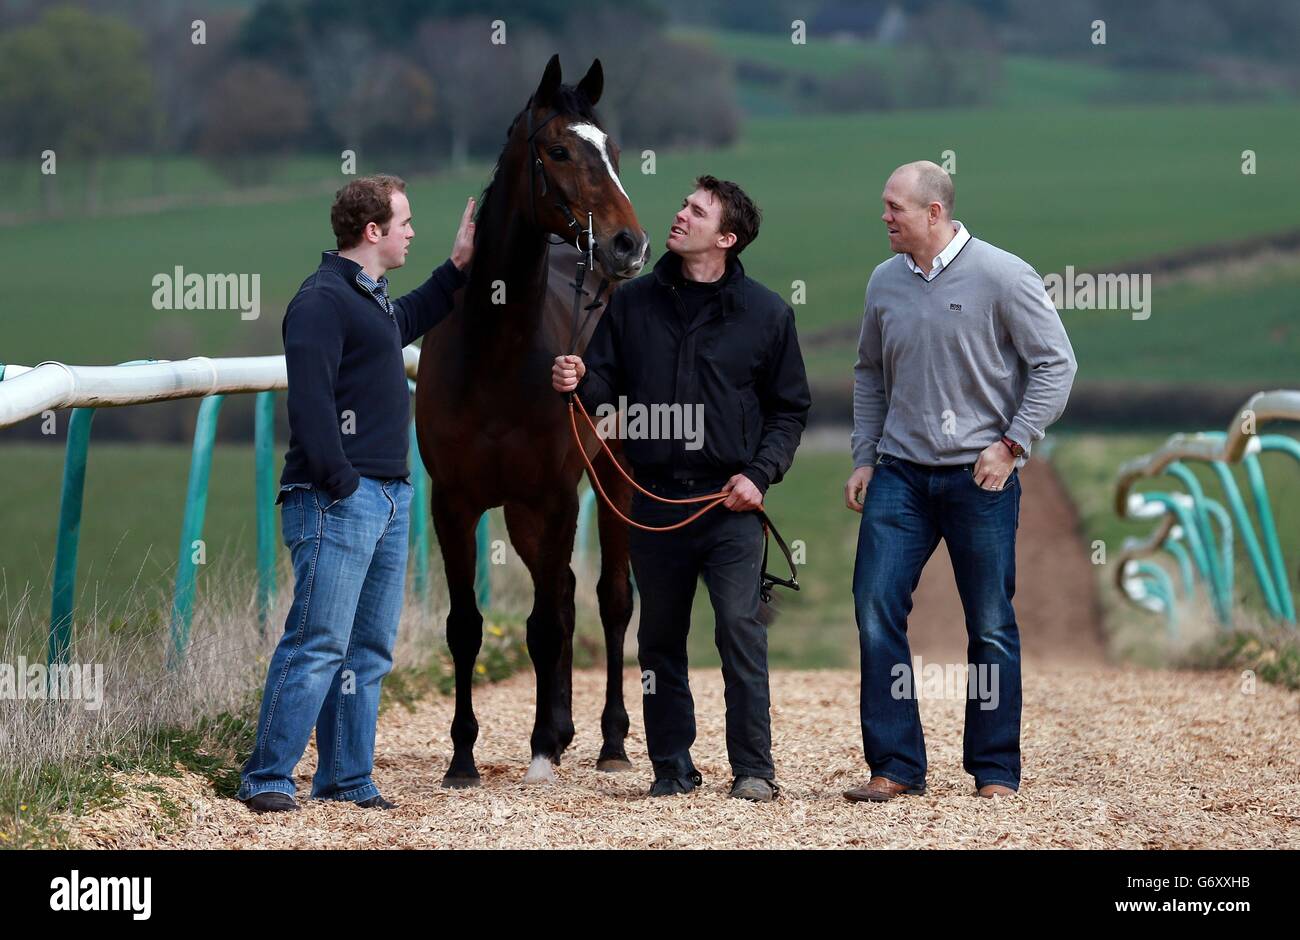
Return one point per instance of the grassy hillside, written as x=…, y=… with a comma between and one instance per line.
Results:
x=1087, y=187
x=1026, y=81
x=135, y=179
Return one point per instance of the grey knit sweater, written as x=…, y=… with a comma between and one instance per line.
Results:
x=946, y=367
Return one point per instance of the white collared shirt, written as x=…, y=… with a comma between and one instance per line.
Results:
x=944, y=258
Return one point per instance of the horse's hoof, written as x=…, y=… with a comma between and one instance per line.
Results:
x=461, y=781
x=613, y=765
x=540, y=771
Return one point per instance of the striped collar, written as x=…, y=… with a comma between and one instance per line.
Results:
x=350, y=269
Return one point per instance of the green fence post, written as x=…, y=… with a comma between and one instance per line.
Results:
x=586, y=510
x=1230, y=489
x=1179, y=551
x=1289, y=446
x=264, y=491
x=483, y=569
x=1228, y=564
x=1194, y=542
x=68, y=538
x=419, y=519
x=69, y=535
x=1268, y=530
x=196, y=504
x=1223, y=601
x=1158, y=583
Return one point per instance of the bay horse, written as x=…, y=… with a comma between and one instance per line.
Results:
x=492, y=431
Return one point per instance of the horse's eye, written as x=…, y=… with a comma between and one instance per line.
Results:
x=558, y=153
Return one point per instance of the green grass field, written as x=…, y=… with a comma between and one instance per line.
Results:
x=130, y=528
x=1086, y=187
x=1027, y=81
x=131, y=178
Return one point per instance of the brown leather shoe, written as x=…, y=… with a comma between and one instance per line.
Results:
x=990, y=790
x=880, y=789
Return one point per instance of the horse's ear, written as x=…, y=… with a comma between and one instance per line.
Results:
x=593, y=83
x=550, y=83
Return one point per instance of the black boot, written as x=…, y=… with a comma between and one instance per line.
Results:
x=674, y=786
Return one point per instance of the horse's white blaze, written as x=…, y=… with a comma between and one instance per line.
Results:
x=596, y=137
x=540, y=771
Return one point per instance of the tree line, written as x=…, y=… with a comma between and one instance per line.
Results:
x=431, y=82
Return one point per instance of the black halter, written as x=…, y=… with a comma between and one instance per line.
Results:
x=586, y=260
x=536, y=169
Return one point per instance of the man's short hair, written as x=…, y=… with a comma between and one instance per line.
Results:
x=933, y=184
x=362, y=201
x=740, y=216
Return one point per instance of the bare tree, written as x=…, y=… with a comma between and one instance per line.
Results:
x=253, y=112
x=480, y=86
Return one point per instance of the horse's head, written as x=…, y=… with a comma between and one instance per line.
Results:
x=574, y=170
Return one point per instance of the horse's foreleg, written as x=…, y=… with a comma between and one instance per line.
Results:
x=563, y=705
x=543, y=537
x=455, y=529
x=614, y=593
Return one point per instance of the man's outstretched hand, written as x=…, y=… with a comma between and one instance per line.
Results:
x=462, y=249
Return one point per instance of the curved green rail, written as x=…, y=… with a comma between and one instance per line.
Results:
x=1188, y=519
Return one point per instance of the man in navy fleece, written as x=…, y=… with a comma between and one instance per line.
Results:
x=345, y=496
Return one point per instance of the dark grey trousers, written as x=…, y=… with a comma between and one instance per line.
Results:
x=726, y=549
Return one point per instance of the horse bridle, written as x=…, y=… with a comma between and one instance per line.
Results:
x=586, y=259
x=538, y=168
x=585, y=263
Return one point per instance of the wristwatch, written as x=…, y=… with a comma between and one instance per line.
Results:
x=1016, y=449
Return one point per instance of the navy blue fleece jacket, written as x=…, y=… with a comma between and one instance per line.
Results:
x=349, y=404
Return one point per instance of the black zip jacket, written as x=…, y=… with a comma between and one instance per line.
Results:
x=349, y=404
x=739, y=358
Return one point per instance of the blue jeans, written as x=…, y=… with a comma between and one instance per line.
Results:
x=908, y=508
x=349, y=566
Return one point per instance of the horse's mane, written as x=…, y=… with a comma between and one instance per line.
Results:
x=568, y=101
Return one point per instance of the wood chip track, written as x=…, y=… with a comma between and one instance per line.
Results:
x=1112, y=758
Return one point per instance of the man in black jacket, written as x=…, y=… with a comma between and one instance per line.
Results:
x=697, y=336
x=345, y=496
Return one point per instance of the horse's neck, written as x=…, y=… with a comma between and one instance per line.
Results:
x=508, y=279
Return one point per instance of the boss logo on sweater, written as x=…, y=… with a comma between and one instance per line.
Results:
x=956, y=307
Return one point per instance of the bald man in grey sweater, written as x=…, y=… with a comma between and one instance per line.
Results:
x=963, y=363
